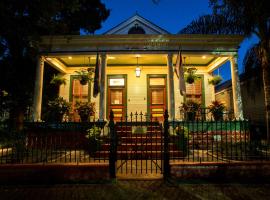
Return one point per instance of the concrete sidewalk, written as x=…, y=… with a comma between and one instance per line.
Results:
x=127, y=190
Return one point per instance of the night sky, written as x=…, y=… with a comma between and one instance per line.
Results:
x=171, y=15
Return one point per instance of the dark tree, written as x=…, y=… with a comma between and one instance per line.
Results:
x=22, y=22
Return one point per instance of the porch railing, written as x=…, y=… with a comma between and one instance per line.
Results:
x=204, y=114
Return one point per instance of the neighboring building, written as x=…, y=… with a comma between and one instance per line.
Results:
x=138, y=45
x=252, y=95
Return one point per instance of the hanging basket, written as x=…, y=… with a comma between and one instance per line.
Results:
x=84, y=80
x=215, y=80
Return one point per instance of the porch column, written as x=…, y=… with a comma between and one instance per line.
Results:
x=37, y=101
x=237, y=99
x=171, y=85
x=102, y=101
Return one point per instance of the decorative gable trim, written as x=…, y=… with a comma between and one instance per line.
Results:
x=149, y=27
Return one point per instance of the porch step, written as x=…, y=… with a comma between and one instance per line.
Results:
x=139, y=146
x=130, y=134
x=132, y=139
x=139, y=154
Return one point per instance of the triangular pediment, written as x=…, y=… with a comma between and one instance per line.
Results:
x=136, y=22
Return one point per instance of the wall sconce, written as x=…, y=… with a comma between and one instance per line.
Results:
x=138, y=69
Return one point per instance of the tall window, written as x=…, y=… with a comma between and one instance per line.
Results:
x=194, y=91
x=79, y=93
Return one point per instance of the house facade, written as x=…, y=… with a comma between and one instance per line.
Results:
x=137, y=60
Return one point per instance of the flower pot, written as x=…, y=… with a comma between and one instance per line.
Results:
x=218, y=116
x=190, y=79
x=84, y=118
x=83, y=81
x=190, y=116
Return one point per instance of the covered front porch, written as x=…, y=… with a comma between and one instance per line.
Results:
x=122, y=57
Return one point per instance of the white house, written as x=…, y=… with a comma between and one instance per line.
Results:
x=137, y=45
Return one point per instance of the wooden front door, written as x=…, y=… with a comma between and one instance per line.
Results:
x=117, y=98
x=157, y=97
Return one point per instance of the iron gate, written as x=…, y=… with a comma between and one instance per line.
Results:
x=139, y=150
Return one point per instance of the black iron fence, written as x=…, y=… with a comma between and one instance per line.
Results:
x=136, y=140
x=215, y=141
x=66, y=142
x=140, y=145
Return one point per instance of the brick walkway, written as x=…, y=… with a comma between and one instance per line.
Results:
x=127, y=190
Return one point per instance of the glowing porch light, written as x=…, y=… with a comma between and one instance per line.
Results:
x=138, y=71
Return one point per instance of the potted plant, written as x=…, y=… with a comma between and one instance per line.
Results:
x=181, y=140
x=190, y=109
x=216, y=109
x=85, y=75
x=57, y=108
x=85, y=110
x=94, y=141
x=215, y=80
x=58, y=80
x=190, y=75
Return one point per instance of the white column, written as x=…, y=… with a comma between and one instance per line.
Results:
x=237, y=99
x=171, y=86
x=102, y=101
x=37, y=101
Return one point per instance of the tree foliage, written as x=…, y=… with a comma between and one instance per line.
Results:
x=212, y=24
x=22, y=22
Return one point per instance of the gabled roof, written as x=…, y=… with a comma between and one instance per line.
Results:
x=136, y=21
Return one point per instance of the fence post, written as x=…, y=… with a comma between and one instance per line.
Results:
x=166, y=172
x=113, y=146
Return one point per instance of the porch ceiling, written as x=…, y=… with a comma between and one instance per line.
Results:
x=131, y=60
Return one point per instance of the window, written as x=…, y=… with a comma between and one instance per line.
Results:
x=116, y=97
x=194, y=91
x=157, y=96
x=79, y=93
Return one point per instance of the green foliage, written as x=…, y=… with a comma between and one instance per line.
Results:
x=217, y=108
x=4, y=102
x=58, y=80
x=215, y=80
x=190, y=76
x=93, y=136
x=212, y=24
x=178, y=130
x=85, y=76
x=191, y=106
x=181, y=140
x=190, y=109
x=22, y=23
x=57, y=108
x=85, y=109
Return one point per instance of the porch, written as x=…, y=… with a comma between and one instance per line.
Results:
x=157, y=87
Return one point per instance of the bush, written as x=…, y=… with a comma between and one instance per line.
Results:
x=94, y=140
x=57, y=108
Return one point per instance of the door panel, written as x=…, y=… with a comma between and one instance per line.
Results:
x=117, y=102
x=157, y=103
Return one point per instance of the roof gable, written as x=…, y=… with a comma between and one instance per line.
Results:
x=136, y=21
